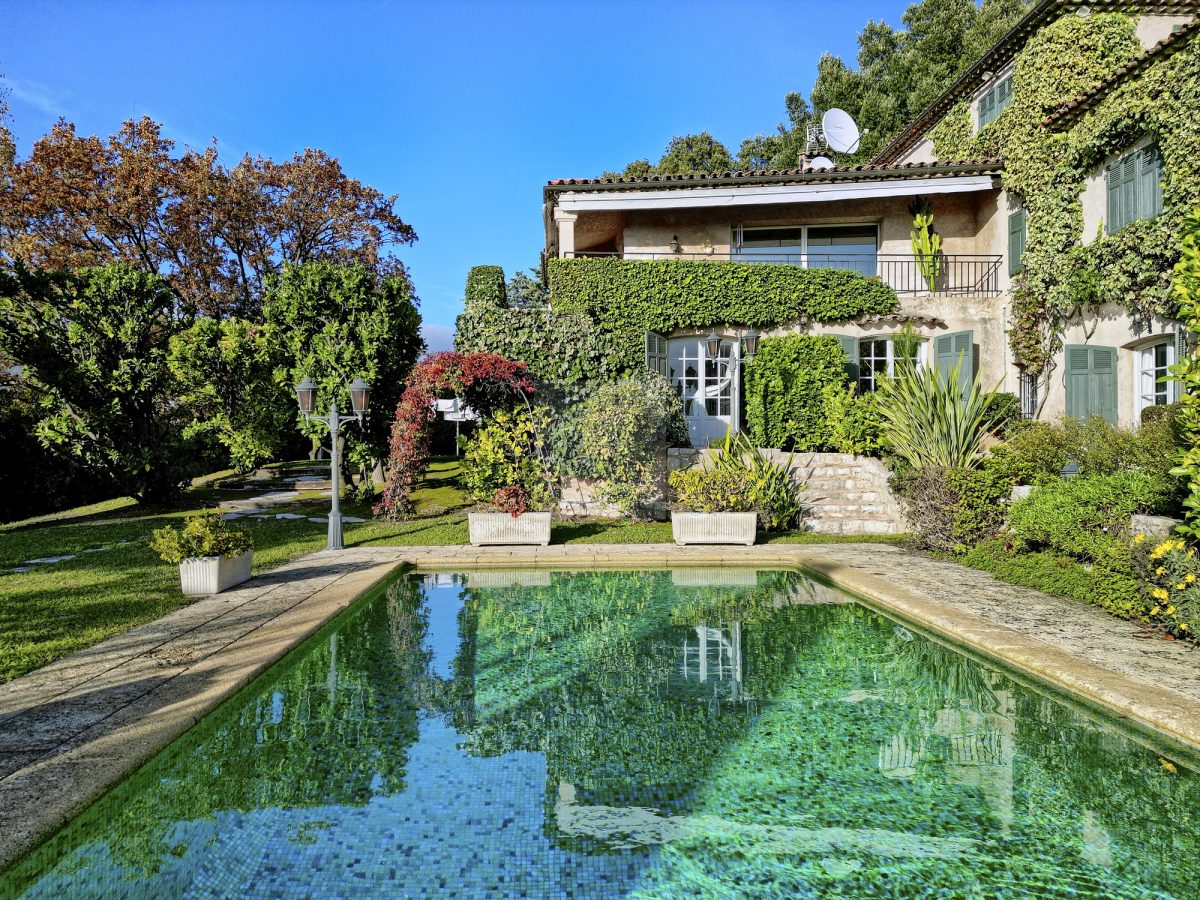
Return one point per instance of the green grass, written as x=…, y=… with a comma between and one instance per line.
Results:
x=56, y=609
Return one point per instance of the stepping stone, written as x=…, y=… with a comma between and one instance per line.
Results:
x=279, y=495
x=288, y=516
x=352, y=519
x=45, y=560
x=95, y=549
x=320, y=519
x=20, y=569
x=230, y=516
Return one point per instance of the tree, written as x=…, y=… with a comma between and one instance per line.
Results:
x=226, y=379
x=529, y=291
x=694, y=153
x=93, y=346
x=782, y=149
x=214, y=233
x=342, y=321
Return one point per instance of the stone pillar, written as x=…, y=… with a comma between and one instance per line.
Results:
x=566, y=233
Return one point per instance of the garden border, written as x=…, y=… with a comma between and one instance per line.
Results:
x=103, y=712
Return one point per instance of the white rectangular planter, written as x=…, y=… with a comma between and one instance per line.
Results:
x=213, y=574
x=714, y=528
x=502, y=528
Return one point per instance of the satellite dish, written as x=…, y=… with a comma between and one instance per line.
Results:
x=841, y=132
x=821, y=162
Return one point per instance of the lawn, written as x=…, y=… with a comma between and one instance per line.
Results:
x=114, y=582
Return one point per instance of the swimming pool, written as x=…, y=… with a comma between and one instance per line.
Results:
x=687, y=733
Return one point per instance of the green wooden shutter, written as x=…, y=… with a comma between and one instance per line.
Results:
x=1003, y=95
x=1016, y=241
x=1181, y=352
x=656, y=353
x=1149, y=182
x=987, y=107
x=1112, y=184
x=1129, y=192
x=849, y=345
x=948, y=349
x=1091, y=381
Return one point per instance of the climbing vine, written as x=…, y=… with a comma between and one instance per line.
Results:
x=1187, y=371
x=1046, y=170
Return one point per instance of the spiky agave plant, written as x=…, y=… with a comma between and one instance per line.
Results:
x=930, y=420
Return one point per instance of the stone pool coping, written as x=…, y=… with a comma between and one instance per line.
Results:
x=77, y=727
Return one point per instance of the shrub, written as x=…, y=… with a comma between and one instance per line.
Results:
x=1087, y=517
x=624, y=428
x=1172, y=573
x=508, y=451
x=951, y=509
x=1004, y=410
x=931, y=420
x=1107, y=585
x=1036, y=452
x=785, y=390
x=853, y=420
x=205, y=535
x=774, y=491
x=702, y=489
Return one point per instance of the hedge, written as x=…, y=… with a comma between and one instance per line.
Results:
x=785, y=390
x=630, y=297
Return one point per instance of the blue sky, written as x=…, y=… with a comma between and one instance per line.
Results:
x=463, y=109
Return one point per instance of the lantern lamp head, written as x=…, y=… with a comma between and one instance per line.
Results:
x=1070, y=470
x=360, y=396
x=750, y=343
x=712, y=344
x=306, y=396
x=675, y=245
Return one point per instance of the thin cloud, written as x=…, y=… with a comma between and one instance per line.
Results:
x=437, y=337
x=39, y=96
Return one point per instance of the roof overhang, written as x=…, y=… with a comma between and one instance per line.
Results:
x=569, y=201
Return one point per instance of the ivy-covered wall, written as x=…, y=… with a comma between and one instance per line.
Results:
x=1046, y=170
x=629, y=297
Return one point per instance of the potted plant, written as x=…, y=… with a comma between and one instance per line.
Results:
x=717, y=506
x=210, y=554
x=509, y=520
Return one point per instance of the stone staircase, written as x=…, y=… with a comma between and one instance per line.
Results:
x=847, y=494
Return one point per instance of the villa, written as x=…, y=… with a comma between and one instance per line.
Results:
x=1104, y=355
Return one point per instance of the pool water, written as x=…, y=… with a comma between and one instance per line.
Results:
x=695, y=733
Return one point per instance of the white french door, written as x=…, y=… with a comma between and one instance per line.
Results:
x=710, y=387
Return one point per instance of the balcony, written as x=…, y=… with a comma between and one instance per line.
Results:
x=959, y=273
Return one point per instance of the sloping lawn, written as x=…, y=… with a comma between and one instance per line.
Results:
x=114, y=582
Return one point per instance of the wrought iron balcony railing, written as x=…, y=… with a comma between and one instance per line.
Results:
x=957, y=273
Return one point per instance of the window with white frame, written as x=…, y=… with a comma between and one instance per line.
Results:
x=1154, y=362
x=878, y=356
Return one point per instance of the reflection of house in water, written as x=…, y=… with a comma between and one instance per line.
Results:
x=972, y=749
x=711, y=665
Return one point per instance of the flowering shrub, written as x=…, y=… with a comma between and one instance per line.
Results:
x=484, y=380
x=1172, y=572
x=714, y=490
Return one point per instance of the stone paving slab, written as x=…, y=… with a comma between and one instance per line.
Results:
x=76, y=727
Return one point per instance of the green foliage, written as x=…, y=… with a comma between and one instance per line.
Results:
x=200, y=536
x=624, y=429
x=1108, y=585
x=773, y=488
x=225, y=377
x=686, y=154
x=508, y=450
x=93, y=345
x=702, y=489
x=628, y=297
x=785, y=389
x=853, y=420
x=1004, y=410
x=485, y=285
x=1086, y=516
x=344, y=321
x=930, y=420
x=926, y=242
x=1036, y=452
x=1186, y=294
x=951, y=509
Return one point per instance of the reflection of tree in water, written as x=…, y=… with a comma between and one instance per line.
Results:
x=331, y=729
x=408, y=630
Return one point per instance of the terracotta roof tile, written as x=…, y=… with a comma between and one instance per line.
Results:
x=782, y=176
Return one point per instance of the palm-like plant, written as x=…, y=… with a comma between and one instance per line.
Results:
x=775, y=492
x=930, y=420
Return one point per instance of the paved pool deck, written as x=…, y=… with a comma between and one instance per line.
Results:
x=77, y=727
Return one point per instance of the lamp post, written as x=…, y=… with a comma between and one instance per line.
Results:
x=360, y=397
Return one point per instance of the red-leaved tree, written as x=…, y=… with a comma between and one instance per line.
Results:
x=485, y=381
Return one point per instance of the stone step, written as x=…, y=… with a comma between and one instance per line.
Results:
x=841, y=496
x=852, y=526
x=846, y=510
